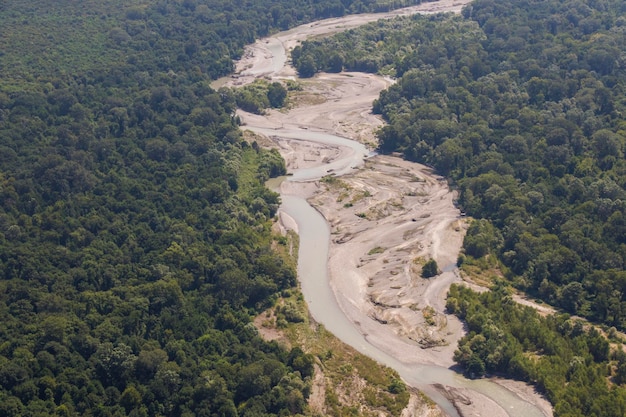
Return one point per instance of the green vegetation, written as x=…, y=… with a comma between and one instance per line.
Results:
x=430, y=269
x=354, y=383
x=259, y=95
x=376, y=250
x=520, y=104
x=429, y=315
x=39, y=39
x=568, y=361
x=135, y=241
x=521, y=107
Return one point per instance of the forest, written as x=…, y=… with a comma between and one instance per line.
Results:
x=521, y=108
x=41, y=41
x=135, y=241
x=573, y=364
x=520, y=105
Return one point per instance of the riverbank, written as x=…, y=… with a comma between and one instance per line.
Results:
x=268, y=57
x=387, y=217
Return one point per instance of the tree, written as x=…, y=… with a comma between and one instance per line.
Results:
x=307, y=67
x=276, y=94
x=430, y=269
x=475, y=366
x=130, y=399
x=335, y=63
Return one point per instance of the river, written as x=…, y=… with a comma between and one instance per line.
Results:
x=314, y=235
x=313, y=275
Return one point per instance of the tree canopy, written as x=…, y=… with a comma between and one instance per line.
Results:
x=571, y=363
x=519, y=104
x=135, y=241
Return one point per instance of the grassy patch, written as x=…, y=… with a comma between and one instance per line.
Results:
x=334, y=182
x=429, y=315
x=342, y=197
x=376, y=250
x=360, y=196
x=355, y=384
x=300, y=98
x=483, y=271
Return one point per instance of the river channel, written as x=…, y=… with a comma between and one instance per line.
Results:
x=313, y=275
x=314, y=235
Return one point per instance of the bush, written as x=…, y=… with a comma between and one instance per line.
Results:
x=430, y=269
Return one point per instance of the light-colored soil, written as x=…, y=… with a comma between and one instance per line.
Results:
x=343, y=105
x=317, y=398
x=419, y=406
x=256, y=61
x=543, y=309
x=387, y=218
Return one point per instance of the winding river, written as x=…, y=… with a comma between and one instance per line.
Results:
x=313, y=255
x=312, y=271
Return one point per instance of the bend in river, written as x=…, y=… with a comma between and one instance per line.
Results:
x=345, y=155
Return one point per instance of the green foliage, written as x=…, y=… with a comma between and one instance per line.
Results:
x=482, y=238
x=376, y=250
x=253, y=97
x=135, y=245
x=290, y=313
x=396, y=386
x=430, y=269
x=186, y=38
x=259, y=95
x=571, y=364
x=389, y=46
x=276, y=94
x=306, y=67
x=135, y=240
x=355, y=384
x=520, y=106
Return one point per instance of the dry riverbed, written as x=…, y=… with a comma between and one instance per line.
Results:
x=387, y=218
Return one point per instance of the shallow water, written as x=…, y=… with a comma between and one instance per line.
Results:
x=313, y=275
x=313, y=270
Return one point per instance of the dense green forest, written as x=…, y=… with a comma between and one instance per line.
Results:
x=129, y=39
x=520, y=104
x=568, y=361
x=135, y=241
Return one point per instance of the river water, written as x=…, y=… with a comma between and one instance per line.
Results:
x=313, y=275
x=313, y=272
